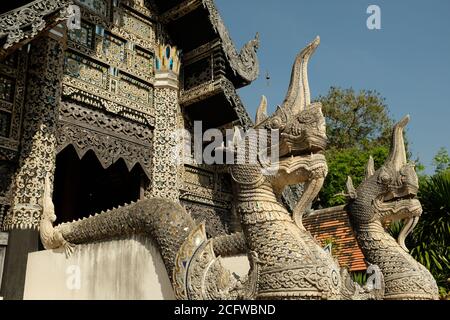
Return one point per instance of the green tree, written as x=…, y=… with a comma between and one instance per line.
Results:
x=430, y=241
x=358, y=126
x=343, y=163
x=441, y=160
x=356, y=120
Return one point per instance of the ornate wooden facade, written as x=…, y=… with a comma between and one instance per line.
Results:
x=96, y=90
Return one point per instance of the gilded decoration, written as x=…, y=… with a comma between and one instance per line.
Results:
x=12, y=88
x=86, y=70
x=143, y=61
x=6, y=174
x=108, y=136
x=25, y=22
x=134, y=26
x=99, y=7
x=37, y=157
x=114, y=48
x=165, y=176
x=165, y=182
x=84, y=36
x=135, y=90
x=109, y=67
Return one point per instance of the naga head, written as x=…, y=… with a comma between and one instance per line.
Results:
x=301, y=136
x=300, y=123
x=389, y=194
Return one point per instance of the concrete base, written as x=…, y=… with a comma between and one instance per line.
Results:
x=112, y=270
x=127, y=269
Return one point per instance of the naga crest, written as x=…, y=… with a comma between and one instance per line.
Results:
x=388, y=194
x=301, y=132
x=300, y=123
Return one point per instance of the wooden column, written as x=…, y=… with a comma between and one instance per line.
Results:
x=164, y=182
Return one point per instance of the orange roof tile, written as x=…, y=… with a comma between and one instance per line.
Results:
x=333, y=224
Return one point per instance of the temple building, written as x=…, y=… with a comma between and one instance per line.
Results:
x=92, y=103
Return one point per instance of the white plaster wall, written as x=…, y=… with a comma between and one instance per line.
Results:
x=119, y=269
x=128, y=269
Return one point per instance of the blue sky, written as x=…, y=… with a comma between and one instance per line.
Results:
x=407, y=61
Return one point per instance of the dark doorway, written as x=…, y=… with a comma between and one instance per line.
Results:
x=83, y=187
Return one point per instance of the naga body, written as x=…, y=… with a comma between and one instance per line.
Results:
x=388, y=195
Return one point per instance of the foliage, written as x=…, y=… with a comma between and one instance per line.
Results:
x=430, y=241
x=441, y=160
x=343, y=163
x=358, y=126
x=360, y=277
x=335, y=247
x=356, y=120
x=395, y=228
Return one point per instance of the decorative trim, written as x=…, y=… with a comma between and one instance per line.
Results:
x=213, y=88
x=29, y=20
x=7, y=154
x=245, y=63
x=168, y=59
x=200, y=52
x=6, y=173
x=78, y=91
x=164, y=183
x=218, y=221
x=16, y=72
x=137, y=5
x=180, y=10
x=123, y=25
x=109, y=137
x=38, y=150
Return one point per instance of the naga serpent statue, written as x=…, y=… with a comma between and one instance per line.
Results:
x=286, y=262
x=387, y=195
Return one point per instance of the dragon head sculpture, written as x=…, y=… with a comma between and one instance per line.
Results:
x=300, y=128
x=301, y=123
x=388, y=194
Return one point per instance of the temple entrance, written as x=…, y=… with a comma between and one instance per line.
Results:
x=83, y=187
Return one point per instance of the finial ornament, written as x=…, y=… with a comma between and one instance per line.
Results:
x=298, y=96
x=261, y=113
x=168, y=59
x=397, y=155
x=370, y=168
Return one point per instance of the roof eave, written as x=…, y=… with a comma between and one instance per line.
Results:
x=23, y=24
x=243, y=65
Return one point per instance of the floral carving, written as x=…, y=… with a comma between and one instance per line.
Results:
x=37, y=157
x=27, y=21
x=111, y=138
